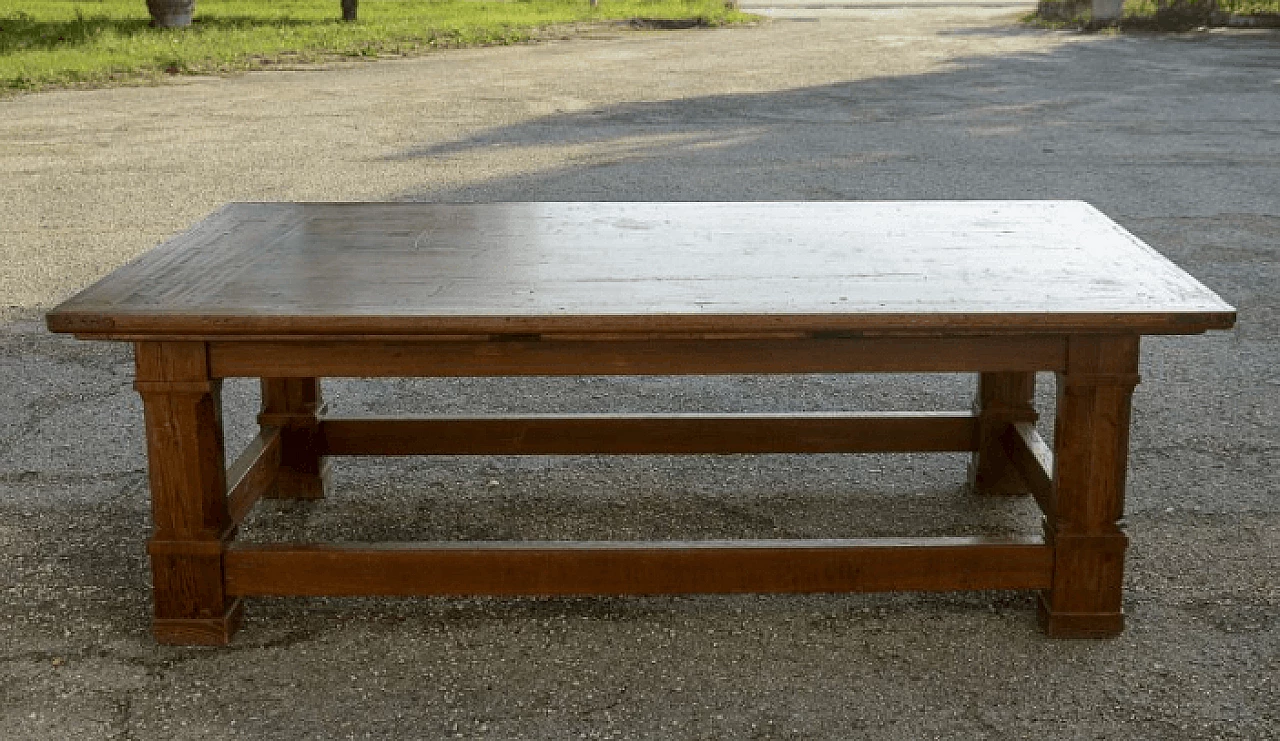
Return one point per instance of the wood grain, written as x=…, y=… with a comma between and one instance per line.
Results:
x=290, y=293
x=1029, y=453
x=253, y=474
x=1091, y=450
x=1002, y=400
x=294, y=406
x=361, y=358
x=825, y=432
x=669, y=567
x=199, y=631
x=999, y=267
x=186, y=465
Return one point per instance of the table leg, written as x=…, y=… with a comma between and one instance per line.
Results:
x=183, y=413
x=295, y=406
x=1083, y=520
x=1003, y=399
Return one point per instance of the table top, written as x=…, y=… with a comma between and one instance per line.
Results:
x=378, y=269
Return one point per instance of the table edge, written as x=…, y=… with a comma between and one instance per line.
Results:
x=156, y=326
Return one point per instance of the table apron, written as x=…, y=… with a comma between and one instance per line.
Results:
x=524, y=357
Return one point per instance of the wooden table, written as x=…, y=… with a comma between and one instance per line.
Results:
x=291, y=293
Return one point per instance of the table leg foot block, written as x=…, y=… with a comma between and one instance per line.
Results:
x=1079, y=624
x=294, y=484
x=985, y=479
x=199, y=631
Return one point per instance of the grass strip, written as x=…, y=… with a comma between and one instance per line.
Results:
x=1161, y=15
x=60, y=43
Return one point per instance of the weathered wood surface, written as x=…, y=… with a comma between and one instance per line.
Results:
x=1033, y=459
x=640, y=567
x=535, y=268
x=254, y=474
x=187, y=469
x=373, y=358
x=618, y=434
x=294, y=406
x=1003, y=400
x=1086, y=503
x=290, y=293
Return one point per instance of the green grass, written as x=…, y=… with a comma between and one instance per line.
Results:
x=56, y=43
x=1146, y=15
x=1249, y=7
x=1147, y=8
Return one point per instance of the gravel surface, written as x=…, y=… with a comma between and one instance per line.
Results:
x=1176, y=137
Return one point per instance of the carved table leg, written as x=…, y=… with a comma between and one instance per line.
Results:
x=1083, y=524
x=295, y=406
x=1003, y=399
x=183, y=414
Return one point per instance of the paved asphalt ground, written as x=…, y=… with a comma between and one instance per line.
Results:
x=1177, y=138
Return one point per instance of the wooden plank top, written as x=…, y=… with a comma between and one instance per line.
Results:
x=921, y=267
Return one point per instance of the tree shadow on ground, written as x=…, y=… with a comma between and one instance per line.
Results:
x=1134, y=125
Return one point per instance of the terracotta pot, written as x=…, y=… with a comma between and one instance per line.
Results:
x=171, y=13
x=1107, y=10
